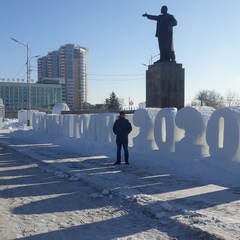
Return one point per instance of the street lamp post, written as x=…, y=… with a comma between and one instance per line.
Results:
x=29, y=86
x=150, y=60
x=28, y=80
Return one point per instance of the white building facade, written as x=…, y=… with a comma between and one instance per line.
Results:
x=42, y=96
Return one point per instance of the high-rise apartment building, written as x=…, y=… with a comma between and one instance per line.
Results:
x=69, y=63
x=42, y=68
x=53, y=64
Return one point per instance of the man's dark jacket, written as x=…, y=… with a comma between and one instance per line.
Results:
x=122, y=127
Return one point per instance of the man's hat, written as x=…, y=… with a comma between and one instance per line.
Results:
x=122, y=112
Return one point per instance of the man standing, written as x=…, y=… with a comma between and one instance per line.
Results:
x=122, y=127
x=164, y=33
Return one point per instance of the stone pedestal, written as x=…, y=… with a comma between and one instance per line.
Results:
x=165, y=85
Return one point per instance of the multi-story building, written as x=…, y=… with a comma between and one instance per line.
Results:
x=57, y=81
x=69, y=63
x=42, y=96
x=42, y=68
x=53, y=64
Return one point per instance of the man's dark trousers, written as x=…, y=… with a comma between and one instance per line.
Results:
x=126, y=153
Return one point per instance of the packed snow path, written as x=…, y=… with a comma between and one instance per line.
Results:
x=48, y=193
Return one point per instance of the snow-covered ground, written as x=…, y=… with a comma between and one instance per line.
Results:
x=90, y=198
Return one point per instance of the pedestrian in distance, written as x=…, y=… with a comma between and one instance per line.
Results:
x=121, y=128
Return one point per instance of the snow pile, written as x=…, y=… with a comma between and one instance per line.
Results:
x=193, y=120
x=192, y=131
x=144, y=119
x=223, y=133
x=13, y=124
x=198, y=141
x=60, y=107
x=24, y=115
x=166, y=133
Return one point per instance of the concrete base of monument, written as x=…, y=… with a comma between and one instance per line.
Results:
x=165, y=85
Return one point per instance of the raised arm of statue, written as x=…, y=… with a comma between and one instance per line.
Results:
x=151, y=17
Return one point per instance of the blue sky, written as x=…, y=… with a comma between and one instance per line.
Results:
x=120, y=41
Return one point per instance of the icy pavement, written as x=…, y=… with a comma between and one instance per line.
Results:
x=101, y=201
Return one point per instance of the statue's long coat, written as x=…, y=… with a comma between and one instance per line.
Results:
x=164, y=31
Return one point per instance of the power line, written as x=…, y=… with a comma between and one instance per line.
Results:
x=20, y=70
x=116, y=80
x=116, y=75
x=109, y=77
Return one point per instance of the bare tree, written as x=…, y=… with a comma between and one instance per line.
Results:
x=210, y=98
x=121, y=101
x=232, y=98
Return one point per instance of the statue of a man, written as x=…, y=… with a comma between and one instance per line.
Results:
x=164, y=33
